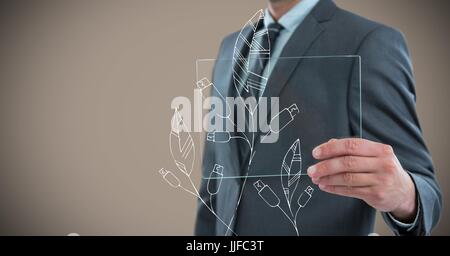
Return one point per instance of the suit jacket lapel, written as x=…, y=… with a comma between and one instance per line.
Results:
x=297, y=46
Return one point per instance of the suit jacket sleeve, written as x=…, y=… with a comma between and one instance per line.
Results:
x=389, y=116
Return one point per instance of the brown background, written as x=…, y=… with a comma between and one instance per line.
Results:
x=85, y=88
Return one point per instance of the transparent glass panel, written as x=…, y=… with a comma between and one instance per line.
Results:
x=299, y=103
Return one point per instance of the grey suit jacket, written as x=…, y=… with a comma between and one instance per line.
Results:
x=332, y=102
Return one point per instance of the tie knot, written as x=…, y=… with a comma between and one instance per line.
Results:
x=274, y=28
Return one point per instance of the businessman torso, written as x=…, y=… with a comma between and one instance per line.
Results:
x=327, y=91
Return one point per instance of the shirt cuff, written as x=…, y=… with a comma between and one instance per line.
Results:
x=407, y=226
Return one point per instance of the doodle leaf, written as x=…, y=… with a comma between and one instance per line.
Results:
x=291, y=170
x=182, y=145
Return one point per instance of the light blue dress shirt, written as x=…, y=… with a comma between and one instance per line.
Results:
x=290, y=21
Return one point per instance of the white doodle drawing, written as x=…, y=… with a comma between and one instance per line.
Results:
x=291, y=171
x=272, y=200
x=303, y=199
x=214, y=183
x=241, y=73
x=281, y=120
x=245, y=78
x=216, y=174
x=168, y=176
x=204, y=84
x=182, y=145
x=246, y=82
x=267, y=194
x=174, y=181
x=225, y=137
x=222, y=136
x=182, y=149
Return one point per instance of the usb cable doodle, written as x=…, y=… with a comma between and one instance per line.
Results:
x=272, y=200
x=291, y=171
x=203, y=84
x=182, y=149
x=225, y=136
x=214, y=182
x=282, y=120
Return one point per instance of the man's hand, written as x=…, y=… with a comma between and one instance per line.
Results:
x=366, y=170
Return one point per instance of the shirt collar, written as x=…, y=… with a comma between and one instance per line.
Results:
x=292, y=19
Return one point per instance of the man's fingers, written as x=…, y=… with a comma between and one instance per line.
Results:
x=350, y=146
x=356, y=192
x=343, y=164
x=349, y=179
